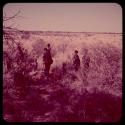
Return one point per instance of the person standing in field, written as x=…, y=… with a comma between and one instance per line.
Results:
x=86, y=63
x=47, y=60
x=76, y=61
x=49, y=54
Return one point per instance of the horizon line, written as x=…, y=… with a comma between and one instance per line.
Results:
x=104, y=32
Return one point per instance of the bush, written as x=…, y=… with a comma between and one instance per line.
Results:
x=26, y=35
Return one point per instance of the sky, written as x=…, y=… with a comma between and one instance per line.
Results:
x=74, y=17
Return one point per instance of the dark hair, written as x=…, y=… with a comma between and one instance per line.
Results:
x=48, y=44
x=45, y=48
x=76, y=51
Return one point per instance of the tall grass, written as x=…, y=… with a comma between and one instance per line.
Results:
x=89, y=96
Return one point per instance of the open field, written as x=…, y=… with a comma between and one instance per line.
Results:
x=28, y=96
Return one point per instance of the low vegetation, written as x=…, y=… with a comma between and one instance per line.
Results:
x=67, y=96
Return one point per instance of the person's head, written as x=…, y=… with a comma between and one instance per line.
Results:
x=76, y=51
x=48, y=45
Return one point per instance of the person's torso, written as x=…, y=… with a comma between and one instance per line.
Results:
x=76, y=59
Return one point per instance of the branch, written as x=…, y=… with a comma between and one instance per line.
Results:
x=9, y=18
x=10, y=26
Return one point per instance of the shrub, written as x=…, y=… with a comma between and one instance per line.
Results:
x=25, y=35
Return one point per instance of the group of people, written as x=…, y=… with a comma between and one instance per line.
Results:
x=47, y=60
x=85, y=60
